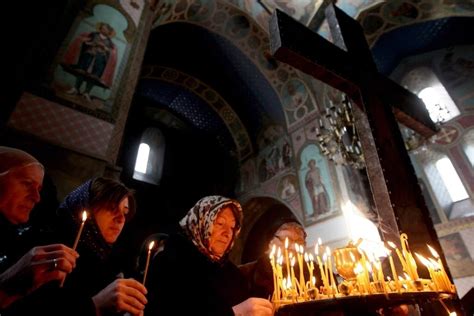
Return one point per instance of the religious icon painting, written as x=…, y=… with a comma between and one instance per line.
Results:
x=317, y=182
x=460, y=262
x=287, y=187
x=87, y=70
x=274, y=159
x=248, y=176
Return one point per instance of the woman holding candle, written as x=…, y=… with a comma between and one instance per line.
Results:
x=109, y=205
x=26, y=268
x=194, y=269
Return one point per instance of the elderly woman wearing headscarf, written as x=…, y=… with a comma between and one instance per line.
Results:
x=193, y=276
x=23, y=267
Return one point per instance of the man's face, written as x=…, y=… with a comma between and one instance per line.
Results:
x=294, y=236
x=19, y=193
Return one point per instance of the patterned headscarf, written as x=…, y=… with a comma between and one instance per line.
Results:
x=71, y=210
x=199, y=221
x=12, y=158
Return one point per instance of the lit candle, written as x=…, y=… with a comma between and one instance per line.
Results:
x=410, y=261
x=400, y=256
x=443, y=271
x=299, y=252
x=394, y=271
x=150, y=247
x=286, y=256
x=331, y=275
x=274, y=272
x=78, y=236
x=429, y=266
x=309, y=263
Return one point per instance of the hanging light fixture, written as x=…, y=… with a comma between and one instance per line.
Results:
x=337, y=135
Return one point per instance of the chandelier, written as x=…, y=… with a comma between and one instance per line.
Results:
x=337, y=135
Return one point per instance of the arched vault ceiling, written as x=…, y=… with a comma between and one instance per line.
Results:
x=215, y=61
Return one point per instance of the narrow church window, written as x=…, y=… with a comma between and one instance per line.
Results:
x=425, y=83
x=468, y=146
x=150, y=156
x=439, y=104
x=451, y=180
x=142, y=158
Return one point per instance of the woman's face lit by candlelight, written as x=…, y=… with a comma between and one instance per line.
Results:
x=222, y=232
x=111, y=222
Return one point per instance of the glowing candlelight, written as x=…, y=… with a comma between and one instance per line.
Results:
x=150, y=247
x=309, y=262
x=331, y=275
x=286, y=256
x=394, y=271
x=299, y=252
x=400, y=256
x=78, y=236
x=444, y=275
x=410, y=261
x=272, y=262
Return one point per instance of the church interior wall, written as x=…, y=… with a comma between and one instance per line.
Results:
x=453, y=67
x=274, y=170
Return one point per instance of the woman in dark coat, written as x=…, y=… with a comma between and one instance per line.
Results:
x=193, y=276
x=97, y=276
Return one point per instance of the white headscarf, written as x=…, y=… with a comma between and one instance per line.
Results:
x=12, y=158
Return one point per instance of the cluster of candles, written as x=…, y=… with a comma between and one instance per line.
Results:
x=360, y=268
x=151, y=244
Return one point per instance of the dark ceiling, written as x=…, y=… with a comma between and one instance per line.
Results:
x=214, y=60
x=420, y=38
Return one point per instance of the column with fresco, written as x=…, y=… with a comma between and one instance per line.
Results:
x=84, y=102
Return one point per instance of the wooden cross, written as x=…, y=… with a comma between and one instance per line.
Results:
x=348, y=66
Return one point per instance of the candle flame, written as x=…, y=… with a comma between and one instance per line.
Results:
x=84, y=216
x=279, y=252
x=358, y=268
x=297, y=247
x=433, y=252
x=453, y=314
x=286, y=243
x=423, y=260
x=306, y=257
x=151, y=245
x=314, y=280
x=293, y=261
x=311, y=257
x=316, y=249
x=319, y=241
x=391, y=244
x=328, y=250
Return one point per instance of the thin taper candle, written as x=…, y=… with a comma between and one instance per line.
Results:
x=78, y=236
x=150, y=247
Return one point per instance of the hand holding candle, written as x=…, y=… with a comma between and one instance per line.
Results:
x=78, y=237
x=150, y=247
